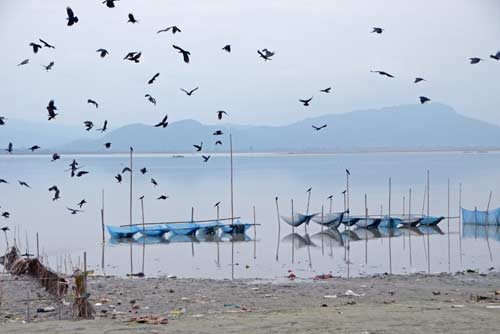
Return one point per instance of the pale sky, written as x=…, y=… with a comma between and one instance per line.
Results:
x=318, y=44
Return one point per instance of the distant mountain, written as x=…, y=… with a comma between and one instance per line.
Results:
x=407, y=127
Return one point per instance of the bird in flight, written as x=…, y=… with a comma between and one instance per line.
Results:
x=317, y=128
x=132, y=19
x=109, y=3
x=104, y=126
x=174, y=29
x=56, y=191
x=153, y=78
x=150, y=99
x=33, y=148
x=205, y=158
x=216, y=204
x=81, y=173
x=81, y=203
x=74, y=211
x=185, y=54
x=118, y=178
x=383, y=74
x=496, y=56
x=417, y=80
x=49, y=66
x=306, y=102
x=377, y=30
x=6, y=215
x=265, y=54
x=51, y=108
x=424, y=99
x=3, y=181
x=88, y=125
x=107, y=145
x=153, y=181
x=96, y=105
x=2, y=120
x=102, y=52
x=220, y=113
x=35, y=47
x=24, y=62
x=45, y=44
x=143, y=170
x=198, y=147
x=133, y=56
x=189, y=93
x=72, y=19
x=23, y=184
x=227, y=48
x=218, y=142
x=162, y=197
x=218, y=133
x=126, y=170
x=326, y=90
x=163, y=123
x=55, y=157
x=475, y=60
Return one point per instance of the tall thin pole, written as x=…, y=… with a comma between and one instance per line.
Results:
x=460, y=221
x=279, y=229
x=192, y=242
x=322, y=221
x=366, y=234
x=409, y=218
x=390, y=228
x=348, y=227
x=307, y=209
x=130, y=209
x=449, y=254
x=37, y=247
x=217, y=239
x=254, y=234
x=428, y=214
x=143, y=237
x=293, y=234
x=331, y=200
x=102, y=218
x=232, y=204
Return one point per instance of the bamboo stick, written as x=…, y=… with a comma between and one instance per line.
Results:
x=232, y=203
x=130, y=210
x=428, y=214
x=279, y=230
x=390, y=228
x=460, y=221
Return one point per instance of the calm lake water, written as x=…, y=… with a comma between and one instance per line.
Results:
x=258, y=179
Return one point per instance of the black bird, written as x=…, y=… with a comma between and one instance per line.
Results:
x=162, y=197
x=2, y=120
x=35, y=47
x=88, y=125
x=198, y=147
x=45, y=44
x=317, y=128
x=5, y=229
x=81, y=173
x=153, y=78
x=143, y=170
x=3, y=181
x=218, y=133
x=132, y=19
x=424, y=99
x=73, y=166
x=96, y=105
x=104, y=126
x=133, y=56
x=496, y=56
x=74, y=211
x=72, y=19
x=218, y=142
x=24, y=62
x=189, y=93
x=220, y=113
x=33, y=148
x=55, y=157
x=216, y=204
x=264, y=56
x=326, y=90
x=81, y=203
x=309, y=190
x=9, y=148
x=49, y=66
x=126, y=170
x=383, y=73
x=227, y=48
x=163, y=123
x=185, y=54
x=175, y=30
x=330, y=197
x=153, y=181
x=150, y=99
x=417, y=80
x=475, y=60
x=102, y=52
x=205, y=158
x=377, y=30
x=56, y=191
x=6, y=215
x=109, y=3
x=306, y=102
x=23, y=184
x=347, y=171
x=118, y=178
x=51, y=108
x=107, y=145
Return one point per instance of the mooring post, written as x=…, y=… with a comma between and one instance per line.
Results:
x=37, y=246
x=279, y=229
x=390, y=227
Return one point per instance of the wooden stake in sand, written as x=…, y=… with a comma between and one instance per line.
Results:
x=143, y=237
x=293, y=234
x=448, y=232
x=428, y=214
x=130, y=211
x=366, y=234
x=348, y=225
x=37, y=246
x=102, y=218
x=279, y=229
x=390, y=228
x=409, y=232
x=254, y=234
x=460, y=222
x=232, y=203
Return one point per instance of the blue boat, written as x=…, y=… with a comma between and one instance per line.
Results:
x=430, y=221
x=368, y=222
x=391, y=222
x=237, y=227
x=298, y=219
x=121, y=232
x=183, y=228
x=153, y=231
x=209, y=228
x=349, y=221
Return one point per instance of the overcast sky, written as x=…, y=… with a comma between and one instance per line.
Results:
x=318, y=44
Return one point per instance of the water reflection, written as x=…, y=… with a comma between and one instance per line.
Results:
x=481, y=232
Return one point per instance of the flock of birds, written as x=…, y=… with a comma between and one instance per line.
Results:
x=135, y=57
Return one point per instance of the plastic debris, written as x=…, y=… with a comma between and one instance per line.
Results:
x=352, y=294
x=323, y=276
x=45, y=309
x=330, y=296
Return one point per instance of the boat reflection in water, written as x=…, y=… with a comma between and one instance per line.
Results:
x=298, y=240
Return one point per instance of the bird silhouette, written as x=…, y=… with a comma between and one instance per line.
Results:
x=56, y=191
x=306, y=102
x=74, y=211
x=55, y=157
x=45, y=44
x=218, y=142
x=153, y=78
x=23, y=184
x=2, y=120
x=104, y=126
x=216, y=204
x=153, y=181
x=150, y=99
x=96, y=105
x=49, y=66
x=118, y=178
x=383, y=73
x=218, y=133
x=205, y=158
x=6, y=215
x=326, y=90
x=475, y=60
x=88, y=125
x=330, y=197
x=4, y=181
x=81, y=173
x=309, y=190
x=51, y=108
x=185, y=54
x=317, y=128
x=72, y=18
x=107, y=145
x=227, y=48
x=5, y=229
x=126, y=170
x=133, y=56
x=220, y=113
x=496, y=56
x=162, y=197
x=109, y=3
x=174, y=29
x=102, y=52
x=189, y=93
x=377, y=30
x=265, y=55
x=198, y=147
x=143, y=170
x=9, y=148
x=34, y=148
x=347, y=171
x=163, y=123
x=417, y=80
x=424, y=99
x=35, y=47
x=24, y=62
x=132, y=19
x=81, y=203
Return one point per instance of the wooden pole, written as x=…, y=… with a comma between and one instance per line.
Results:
x=254, y=234
x=331, y=200
x=102, y=218
x=366, y=234
x=232, y=203
x=448, y=232
x=28, y=309
x=37, y=246
x=403, y=216
x=130, y=210
x=322, y=221
x=192, y=242
x=217, y=238
x=293, y=234
x=85, y=270
x=279, y=229
x=428, y=214
x=143, y=237
x=348, y=227
x=460, y=222
x=390, y=228
x=409, y=217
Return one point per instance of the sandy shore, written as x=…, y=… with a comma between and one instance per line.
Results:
x=460, y=303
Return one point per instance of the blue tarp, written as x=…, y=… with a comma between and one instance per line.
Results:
x=491, y=217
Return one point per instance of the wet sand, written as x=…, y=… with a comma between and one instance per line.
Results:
x=460, y=303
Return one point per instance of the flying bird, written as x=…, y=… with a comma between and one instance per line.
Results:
x=118, y=178
x=153, y=78
x=162, y=197
x=185, y=54
x=33, y=148
x=126, y=170
x=74, y=211
x=475, y=60
x=218, y=142
x=49, y=66
x=198, y=147
x=153, y=181
x=23, y=184
x=205, y=158
x=417, y=80
x=107, y=145
x=174, y=29
x=496, y=56
x=317, y=128
x=2, y=120
x=189, y=93
x=24, y=62
x=109, y=3
x=133, y=56
x=150, y=99
x=96, y=105
x=51, y=108
x=424, y=99
x=81, y=203
x=6, y=215
x=132, y=19
x=56, y=191
x=104, y=126
x=143, y=170
x=383, y=74
x=55, y=157
x=306, y=102
x=377, y=30
x=72, y=19
x=35, y=47
x=227, y=48
x=220, y=113
x=163, y=123
x=45, y=44
x=81, y=173
x=264, y=56
x=102, y=52
x=88, y=125
x=218, y=133
x=3, y=181
x=326, y=90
